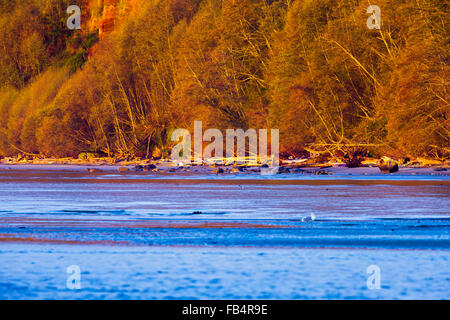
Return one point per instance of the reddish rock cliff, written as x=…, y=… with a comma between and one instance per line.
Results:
x=105, y=15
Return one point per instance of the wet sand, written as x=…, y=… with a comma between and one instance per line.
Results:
x=293, y=233
x=146, y=235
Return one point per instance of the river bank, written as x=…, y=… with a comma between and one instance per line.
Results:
x=168, y=168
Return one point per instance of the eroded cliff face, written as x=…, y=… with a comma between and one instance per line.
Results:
x=106, y=15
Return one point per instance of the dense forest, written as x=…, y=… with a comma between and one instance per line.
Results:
x=138, y=69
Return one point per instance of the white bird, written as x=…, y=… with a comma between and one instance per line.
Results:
x=311, y=218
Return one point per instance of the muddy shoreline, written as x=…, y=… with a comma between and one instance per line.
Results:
x=146, y=167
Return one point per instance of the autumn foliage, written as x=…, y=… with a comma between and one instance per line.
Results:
x=311, y=68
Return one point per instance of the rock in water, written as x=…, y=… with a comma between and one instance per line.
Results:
x=311, y=218
x=149, y=167
x=387, y=165
x=284, y=170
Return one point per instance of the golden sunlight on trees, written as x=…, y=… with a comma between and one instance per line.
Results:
x=311, y=68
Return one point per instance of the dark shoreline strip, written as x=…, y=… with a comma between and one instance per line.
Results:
x=287, y=182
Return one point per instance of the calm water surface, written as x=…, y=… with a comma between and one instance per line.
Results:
x=136, y=236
